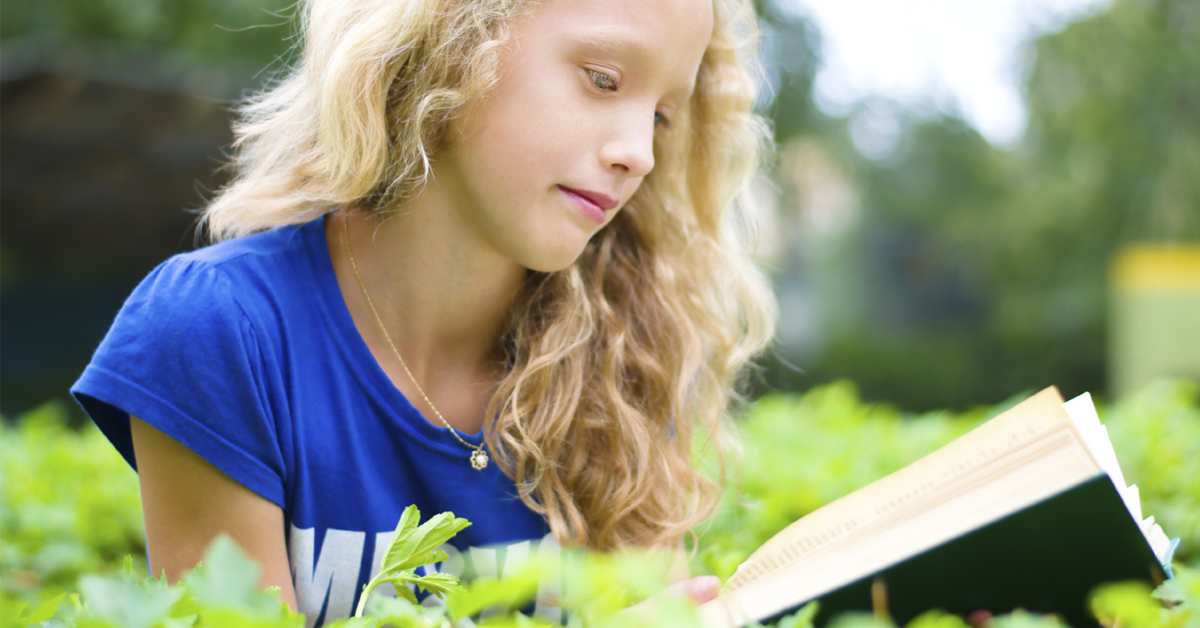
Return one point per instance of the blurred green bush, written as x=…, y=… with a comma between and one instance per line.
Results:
x=69, y=505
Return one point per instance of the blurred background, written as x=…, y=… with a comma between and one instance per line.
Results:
x=970, y=199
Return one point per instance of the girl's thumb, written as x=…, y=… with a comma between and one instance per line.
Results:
x=701, y=588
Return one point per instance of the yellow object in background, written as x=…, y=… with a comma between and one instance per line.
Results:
x=1154, y=315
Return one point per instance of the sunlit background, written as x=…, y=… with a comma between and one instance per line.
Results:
x=970, y=199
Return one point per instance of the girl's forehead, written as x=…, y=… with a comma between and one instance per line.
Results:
x=670, y=35
x=694, y=11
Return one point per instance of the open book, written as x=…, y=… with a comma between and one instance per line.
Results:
x=1029, y=510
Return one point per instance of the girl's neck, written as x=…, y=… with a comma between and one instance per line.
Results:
x=443, y=299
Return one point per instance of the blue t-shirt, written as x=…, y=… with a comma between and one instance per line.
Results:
x=245, y=352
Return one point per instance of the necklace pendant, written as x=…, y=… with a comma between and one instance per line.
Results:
x=479, y=459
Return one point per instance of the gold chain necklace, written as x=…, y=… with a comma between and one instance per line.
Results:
x=479, y=457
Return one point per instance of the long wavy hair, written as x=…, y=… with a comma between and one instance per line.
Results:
x=618, y=359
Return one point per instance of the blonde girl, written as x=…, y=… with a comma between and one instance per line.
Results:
x=477, y=256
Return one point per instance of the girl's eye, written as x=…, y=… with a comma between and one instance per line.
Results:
x=604, y=81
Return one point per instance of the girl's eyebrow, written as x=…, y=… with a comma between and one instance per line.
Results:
x=616, y=42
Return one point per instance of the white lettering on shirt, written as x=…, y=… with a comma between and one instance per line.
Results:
x=330, y=581
x=333, y=576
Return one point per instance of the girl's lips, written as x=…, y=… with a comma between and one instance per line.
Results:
x=592, y=204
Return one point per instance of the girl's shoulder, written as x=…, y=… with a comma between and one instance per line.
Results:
x=198, y=347
x=280, y=249
x=265, y=269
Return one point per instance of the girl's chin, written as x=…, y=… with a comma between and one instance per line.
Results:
x=552, y=244
x=548, y=265
x=552, y=260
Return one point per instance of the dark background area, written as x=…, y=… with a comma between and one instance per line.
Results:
x=97, y=176
x=950, y=273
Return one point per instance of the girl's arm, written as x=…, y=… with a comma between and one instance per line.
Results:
x=187, y=502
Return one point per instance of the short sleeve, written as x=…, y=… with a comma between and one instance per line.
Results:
x=183, y=356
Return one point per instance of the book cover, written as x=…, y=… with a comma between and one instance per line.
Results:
x=1029, y=510
x=1045, y=559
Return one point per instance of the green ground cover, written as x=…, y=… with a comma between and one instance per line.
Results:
x=71, y=540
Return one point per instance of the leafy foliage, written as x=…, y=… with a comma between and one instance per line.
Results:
x=802, y=452
x=68, y=505
x=221, y=592
x=216, y=29
x=1156, y=433
x=200, y=602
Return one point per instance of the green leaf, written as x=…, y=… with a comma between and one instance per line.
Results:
x=515, y=620
x=237, y=618
x=399, y=581
x=187, y=621
x=229, y=578
x=402, y=541
x=937, y=619
x=399, y=613
x=439, y=584
x=485, y=592
x=413, y=546
x=45, y=610
x=356, y=622
x=434, y=533
x=1128, y=604
x=125, y=603
x=1021, y=618
x=437, y=556
x=11, y=611
x=802, y=618
x=855, y=619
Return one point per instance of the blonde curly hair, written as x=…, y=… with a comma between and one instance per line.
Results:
x=616, y=359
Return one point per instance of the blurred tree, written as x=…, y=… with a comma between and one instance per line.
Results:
x=984, y=269
x=1115, y=116
x=255, y=31
x=789, y=53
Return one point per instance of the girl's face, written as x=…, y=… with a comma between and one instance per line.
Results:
x=567, y=134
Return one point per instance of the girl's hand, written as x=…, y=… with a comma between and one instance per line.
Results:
x=701, y=588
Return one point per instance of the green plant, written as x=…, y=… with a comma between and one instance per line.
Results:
x=69, y=505
x=223, y=592
x=413, y=546
x=70, y=512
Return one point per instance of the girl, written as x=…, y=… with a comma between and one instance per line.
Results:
x=476, y=257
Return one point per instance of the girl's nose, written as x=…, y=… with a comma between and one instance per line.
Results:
x=630, y=148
